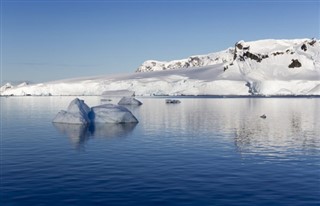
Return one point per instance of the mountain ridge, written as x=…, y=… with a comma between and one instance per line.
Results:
x=263, y=67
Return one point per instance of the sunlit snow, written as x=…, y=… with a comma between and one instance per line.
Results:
x=265, y=67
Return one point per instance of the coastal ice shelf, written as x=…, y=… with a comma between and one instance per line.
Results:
x=264, y=67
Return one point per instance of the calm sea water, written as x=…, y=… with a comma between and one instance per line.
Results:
x=200, y=152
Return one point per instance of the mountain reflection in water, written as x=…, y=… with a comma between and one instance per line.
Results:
x=290, y=124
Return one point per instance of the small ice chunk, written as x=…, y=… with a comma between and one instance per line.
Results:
x=172, y=101
x=110, y=113
x=263, y=116
x=77, y=113
x=129, y=101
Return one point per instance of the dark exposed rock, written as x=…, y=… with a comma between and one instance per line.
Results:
x=304, y=47
x=312, y=42
x=225, y=68
x=252, y=88
x=252, y=56
x=246, y=48
x=234, y=56
x=294, y=63
x=289, y=51
x=195, y=61
x=264, y=56
x=239, y=46
x=277, y=53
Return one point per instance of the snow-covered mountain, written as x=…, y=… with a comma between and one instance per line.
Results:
x=264, y=67
x=192, y=61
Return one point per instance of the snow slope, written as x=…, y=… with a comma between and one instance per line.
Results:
x=265, y=67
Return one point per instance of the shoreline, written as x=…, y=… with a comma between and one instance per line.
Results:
x=177, y=96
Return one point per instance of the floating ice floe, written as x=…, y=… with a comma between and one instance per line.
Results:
x=263, y=116
x=109, y=113
x=77, y=113
x=172, y=101
x=129, y=101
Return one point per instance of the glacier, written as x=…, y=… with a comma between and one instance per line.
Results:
x=263, y=67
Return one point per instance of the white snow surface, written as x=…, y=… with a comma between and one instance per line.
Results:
x=257, y=67
x=129, y=101
x=110, y=113
x=77, y=113
x=5, y=87
x=117, y=93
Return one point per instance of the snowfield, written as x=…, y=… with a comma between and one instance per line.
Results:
x=265, y=67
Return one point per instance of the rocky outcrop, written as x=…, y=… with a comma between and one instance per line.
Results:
x=192, y=61
x=241, y=52
x=295, y=63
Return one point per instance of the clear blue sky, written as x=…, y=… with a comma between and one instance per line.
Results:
x=49, y=40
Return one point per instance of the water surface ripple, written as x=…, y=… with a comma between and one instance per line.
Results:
x=204, y=151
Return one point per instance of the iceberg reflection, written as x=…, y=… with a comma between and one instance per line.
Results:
x=80, y=134
x=77, y=133
x=111, y=130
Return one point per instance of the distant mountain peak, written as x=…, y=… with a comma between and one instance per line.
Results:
x=254, y=50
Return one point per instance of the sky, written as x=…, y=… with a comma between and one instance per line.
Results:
x=55, y=39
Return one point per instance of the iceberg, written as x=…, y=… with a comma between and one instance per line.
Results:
x=129, y=101
x=77, y=113
x=110, y=113
x=172, y=101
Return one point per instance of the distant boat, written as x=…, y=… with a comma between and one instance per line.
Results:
x=172, y=101
x=263, y=116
